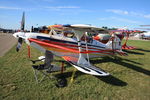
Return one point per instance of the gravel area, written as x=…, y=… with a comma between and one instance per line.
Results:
x=7, y=41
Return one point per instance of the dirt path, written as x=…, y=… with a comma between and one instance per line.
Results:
x=7, y=41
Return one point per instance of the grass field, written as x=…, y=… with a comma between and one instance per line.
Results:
x=129, y=80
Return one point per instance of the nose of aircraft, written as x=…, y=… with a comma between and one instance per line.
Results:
x=19, y=36
x=15, y=35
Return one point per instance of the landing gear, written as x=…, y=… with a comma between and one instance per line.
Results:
x=48, y=68
x=61, y=82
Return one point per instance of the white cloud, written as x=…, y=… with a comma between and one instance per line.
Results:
x=39, y=1
x=63, y=7
x=104, y=18
x=131, y=13
x=68, y=9
x=146, y=16
x=125, y=20
x=117, y=11
x=10, y=8
x=120, y=20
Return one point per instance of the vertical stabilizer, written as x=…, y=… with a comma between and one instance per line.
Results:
x=114, y=43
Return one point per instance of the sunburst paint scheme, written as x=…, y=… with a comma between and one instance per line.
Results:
x=73, y=49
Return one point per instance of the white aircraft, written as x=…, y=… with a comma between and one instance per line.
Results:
x=74, y=43
x=146, y=35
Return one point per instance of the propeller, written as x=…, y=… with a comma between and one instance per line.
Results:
x=20, y=40
x=21, y=35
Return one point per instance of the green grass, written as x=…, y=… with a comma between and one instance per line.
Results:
x=129, y=78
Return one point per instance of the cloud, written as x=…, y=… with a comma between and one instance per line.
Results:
x=146, y=16
x=103, y=19
x=68, y=9
x=120, y=20
x=125, y=20
x=130, y=13
x=117, y=11
x=40, y=1
x=63, y=7
x=10, y=8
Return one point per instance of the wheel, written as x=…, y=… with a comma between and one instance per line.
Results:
x=61, y=82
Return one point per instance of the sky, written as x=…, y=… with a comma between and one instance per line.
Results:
x=110, y=13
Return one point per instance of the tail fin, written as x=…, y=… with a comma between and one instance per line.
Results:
x=114, y=43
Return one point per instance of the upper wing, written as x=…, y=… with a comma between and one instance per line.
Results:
x=85, y=67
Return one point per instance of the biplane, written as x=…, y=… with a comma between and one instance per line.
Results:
x=74, y=43
x=126, y=34
x=104, y=38
x=145, y=34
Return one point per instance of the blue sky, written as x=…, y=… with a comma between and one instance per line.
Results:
x=111, y=13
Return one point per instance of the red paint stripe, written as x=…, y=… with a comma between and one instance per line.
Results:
x=69, y=58
x=58, y=43
x=70, y=45
x=52, y=45
x=69, y=49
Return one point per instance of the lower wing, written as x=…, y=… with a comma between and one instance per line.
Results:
x=86, y=67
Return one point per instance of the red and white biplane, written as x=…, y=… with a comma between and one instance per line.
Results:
x=74, y=43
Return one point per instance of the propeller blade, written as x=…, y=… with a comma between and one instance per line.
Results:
x=23, y=22
x=19, y=44
x=20, y=39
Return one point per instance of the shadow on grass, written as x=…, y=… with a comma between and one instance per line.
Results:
x=136, y=68
x=132, y=61
x=120, y=61
x=62, y=61
x=133, y=52
x=112, y=80
x=107, y=79
x=142, y=50
x=69, y=74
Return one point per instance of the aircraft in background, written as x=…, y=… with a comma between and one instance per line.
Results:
x=121, y=33
x=145, y=34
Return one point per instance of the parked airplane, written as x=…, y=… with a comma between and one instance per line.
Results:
x=104, y=38
x=74, y=43
x=146, y=35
